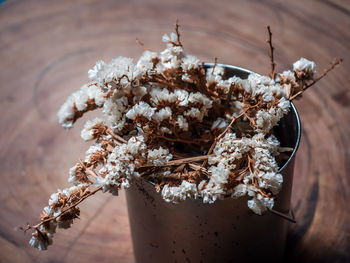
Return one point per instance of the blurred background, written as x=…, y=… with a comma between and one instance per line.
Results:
x=46, y=49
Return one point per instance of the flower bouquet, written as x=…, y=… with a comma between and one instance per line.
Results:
x=186, y=128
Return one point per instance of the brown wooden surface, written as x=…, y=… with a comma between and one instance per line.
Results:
x=46, y=49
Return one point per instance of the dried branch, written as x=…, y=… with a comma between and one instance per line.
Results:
x=180, y=161
x=139, y=42
x=273, y=64
x=325, y=72
x=285, y=149
x=229, y=94
x=116, y=136
x=190, y=159
x=88, y=170
x=177, y=32
x=215, y=63
x=284, y=216
x=63, y=211
x=198, y=168
x=178, y=139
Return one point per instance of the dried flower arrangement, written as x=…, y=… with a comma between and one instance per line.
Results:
x=183, y=127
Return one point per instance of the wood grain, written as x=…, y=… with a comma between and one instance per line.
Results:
x=46, y=48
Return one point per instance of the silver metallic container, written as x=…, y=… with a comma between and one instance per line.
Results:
x=226, y=231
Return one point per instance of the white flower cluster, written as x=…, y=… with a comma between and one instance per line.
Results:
x=90, y=130
x=159, y=156
x=169, y=105
x=267, y=119
x=121, y=165
x=43, y=236
x=116, y=74
x=262, y=167
x=305, y=66
x=166, y=94
x=89, y=97
x=156, y=96
x=176, y=194
x=256, y=86
x=261, y=173
x=179, y=99
x=121, y=86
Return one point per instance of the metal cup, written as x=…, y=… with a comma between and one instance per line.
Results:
x=225, y=231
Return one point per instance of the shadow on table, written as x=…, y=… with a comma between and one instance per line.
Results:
x=307, y=253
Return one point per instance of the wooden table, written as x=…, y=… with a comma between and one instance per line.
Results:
x=46, y=49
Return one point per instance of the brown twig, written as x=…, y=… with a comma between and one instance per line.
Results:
x=273, y=64
x=325, y=72
x=181, y=161
x=285, y=149
x=284, y=216
x=229, y=94
x=190, y=159
x=215, y=63
x=116, y=136
x=249, y=166
x=179, y=168
x=139, y=42
x=198, y=168
x=64, y=210
x=91, y=172
x=177, y=33
x=177, y=140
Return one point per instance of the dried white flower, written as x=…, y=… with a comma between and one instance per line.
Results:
x=219, y=123
x=179, y=193
x=159, y=156
x=99, y=66
x=189, y=62
x=164, y=113
x=88, y=97
x=239, y=191
x=39, y=241
x=182, y=123
x=140, y=109
x=90, y=129
x=304, y=65
x=288, y=74
x=215, y=74
x=215, y=187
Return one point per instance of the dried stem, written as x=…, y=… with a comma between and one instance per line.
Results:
x=198, y=168
x=177, y=33
x=64, y=210
x=273, y=64
x=285, y=149
x=249, y=166
x=178, y=140
x=190, y=159
x=181, y=161
x=116, y=136
x=215, y=63
x=91, y=172
x=325, y=72
x=229, y=97
x=88, y=170
x=284, y=216
x=139, y=42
